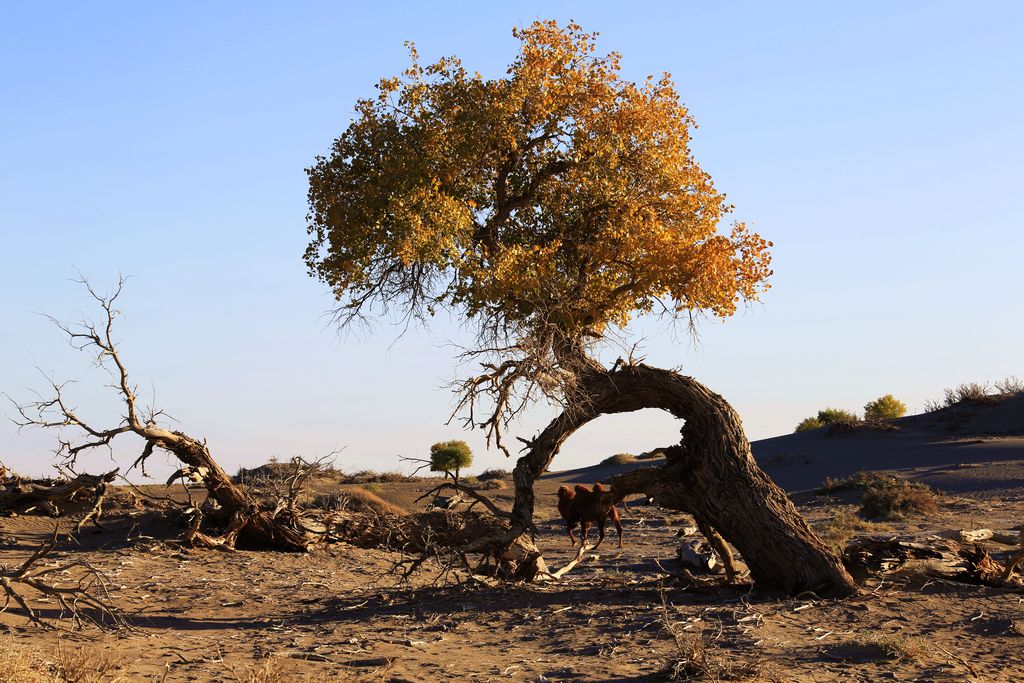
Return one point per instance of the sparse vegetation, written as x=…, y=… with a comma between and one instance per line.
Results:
x=884, y=408
x=828, y=417
x=619, y=459
x=977, y=392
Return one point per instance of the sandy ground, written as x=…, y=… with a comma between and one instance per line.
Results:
x=338, y=613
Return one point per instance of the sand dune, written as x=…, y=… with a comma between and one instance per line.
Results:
x=968, y=449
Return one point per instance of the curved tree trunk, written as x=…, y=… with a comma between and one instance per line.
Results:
x=711, y=475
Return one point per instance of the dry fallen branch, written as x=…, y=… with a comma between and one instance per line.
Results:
x=22, y=497
x=263, y=528
x=82, y=596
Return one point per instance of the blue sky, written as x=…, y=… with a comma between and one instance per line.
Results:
x=878, y=144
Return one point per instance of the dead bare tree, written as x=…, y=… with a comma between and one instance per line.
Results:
x=78, y=588
x=248, y=523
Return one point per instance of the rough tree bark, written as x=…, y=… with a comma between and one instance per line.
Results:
x=710, y=474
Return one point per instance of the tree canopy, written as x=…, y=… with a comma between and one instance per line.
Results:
x=545, y=206
x=450, y=457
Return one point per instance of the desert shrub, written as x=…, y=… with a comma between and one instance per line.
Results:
x=829, y=417
x=494, y=473
x=809, y=423
x=971, y=391
x=898, y=499
x=372, y=487
x=651, y=455
x=976, y=392
x=471, y=481
x=619, y=459
x=494, y=485
x=450, y=457
x=883, y=408
x=1010, y=386
x=837, y=415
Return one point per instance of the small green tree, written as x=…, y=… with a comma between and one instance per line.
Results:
x=884, y=408
x=450, y=457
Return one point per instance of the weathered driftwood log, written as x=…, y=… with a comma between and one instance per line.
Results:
x=711, y=475
x=976, y=535
x=23, y=496
x=697, y=556
x=931, y=556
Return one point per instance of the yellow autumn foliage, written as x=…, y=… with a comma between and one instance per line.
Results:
x=558, y=194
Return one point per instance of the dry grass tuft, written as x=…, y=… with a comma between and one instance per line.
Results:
x=269, y=670
x=891, y=646
x=493, y=485
x=67, y=664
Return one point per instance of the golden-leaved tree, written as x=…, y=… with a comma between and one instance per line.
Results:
x=550, y=207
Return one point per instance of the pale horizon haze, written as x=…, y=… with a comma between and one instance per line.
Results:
x=879, y=145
